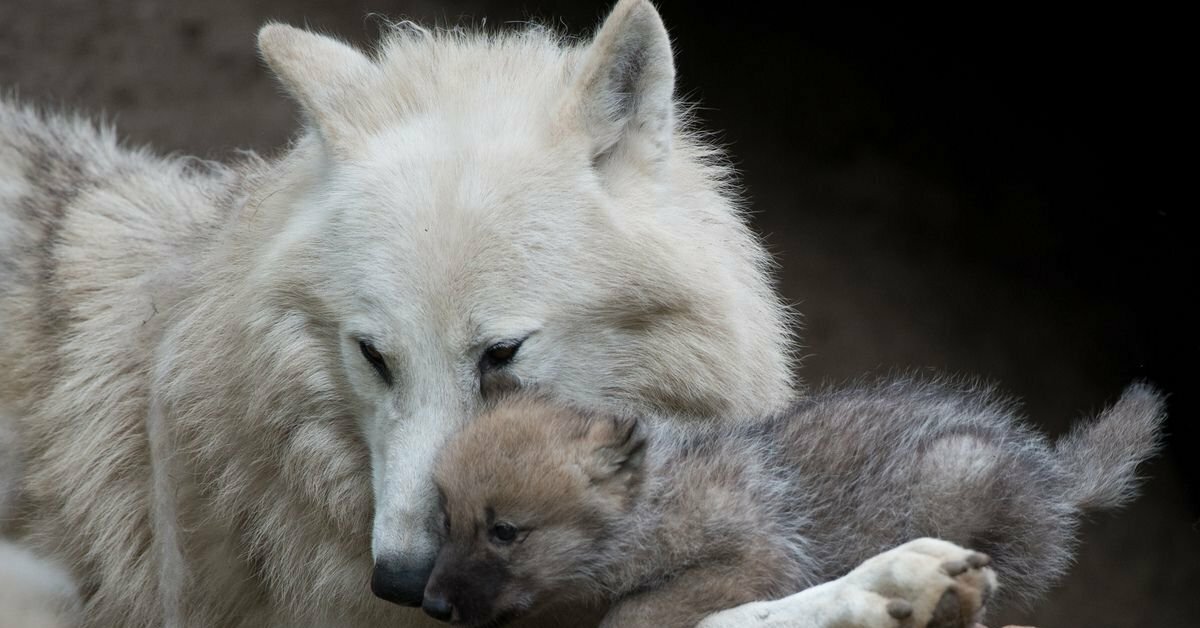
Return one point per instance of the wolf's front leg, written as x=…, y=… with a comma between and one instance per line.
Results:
x=926, y=583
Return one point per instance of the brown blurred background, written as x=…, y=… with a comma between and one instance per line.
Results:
x=965, y=192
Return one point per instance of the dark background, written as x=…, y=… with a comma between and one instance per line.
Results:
x=994, y=194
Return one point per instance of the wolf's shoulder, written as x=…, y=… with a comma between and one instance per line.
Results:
x=84, y=218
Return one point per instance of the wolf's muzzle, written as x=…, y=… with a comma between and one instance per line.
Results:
x=400, y=582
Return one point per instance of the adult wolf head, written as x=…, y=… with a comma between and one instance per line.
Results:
x=467, y=213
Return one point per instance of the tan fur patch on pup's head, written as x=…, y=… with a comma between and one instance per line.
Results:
x=563, y=478
x=532, y=454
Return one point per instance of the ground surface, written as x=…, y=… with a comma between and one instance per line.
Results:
x=982, y=198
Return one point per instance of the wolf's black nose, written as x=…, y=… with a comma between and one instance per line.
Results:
x=399, y=582
x=438, y=608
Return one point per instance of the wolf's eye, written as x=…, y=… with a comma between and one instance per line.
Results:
x=376, y=360
x=499, y=355
x=503, y=532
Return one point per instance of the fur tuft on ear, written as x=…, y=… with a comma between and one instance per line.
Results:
x=618, y=450
x=623, y=96
x=325, y=75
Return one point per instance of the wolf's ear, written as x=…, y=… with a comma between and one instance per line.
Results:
x=326, y=76
x=618, y=451
x=623, y=94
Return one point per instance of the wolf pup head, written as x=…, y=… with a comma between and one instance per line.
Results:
x=533, y=494
x=468, y=213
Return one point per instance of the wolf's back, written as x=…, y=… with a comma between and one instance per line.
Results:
x=1101, y=456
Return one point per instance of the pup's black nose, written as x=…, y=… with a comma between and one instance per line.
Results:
x=438, y=608
x=400, y=582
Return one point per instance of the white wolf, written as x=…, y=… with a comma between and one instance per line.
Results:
x=229, y=383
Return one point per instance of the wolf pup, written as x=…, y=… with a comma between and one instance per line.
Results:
x=671, y=522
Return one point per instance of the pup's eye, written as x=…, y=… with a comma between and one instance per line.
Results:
x=376, y=360
x=504, y=533
x=500, y=354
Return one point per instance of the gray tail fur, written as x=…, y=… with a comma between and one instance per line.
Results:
x=1103, y=455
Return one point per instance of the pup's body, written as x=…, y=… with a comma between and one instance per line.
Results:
x=674, y=522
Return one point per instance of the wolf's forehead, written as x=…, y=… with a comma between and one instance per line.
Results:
x=458, y=240
x=456, y=268
x=449, y=202
x=436, y=167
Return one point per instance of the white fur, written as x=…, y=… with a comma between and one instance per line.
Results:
x=35, y=593
x=912, y=572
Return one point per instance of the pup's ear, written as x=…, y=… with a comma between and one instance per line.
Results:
x=623, y=94
x=328, y=77
x=618, y=450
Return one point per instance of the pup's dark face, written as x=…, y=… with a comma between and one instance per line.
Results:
x=532, y=493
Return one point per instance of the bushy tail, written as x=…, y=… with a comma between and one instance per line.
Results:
x=1103, y=455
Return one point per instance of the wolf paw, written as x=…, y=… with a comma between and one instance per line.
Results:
x=925, y=583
